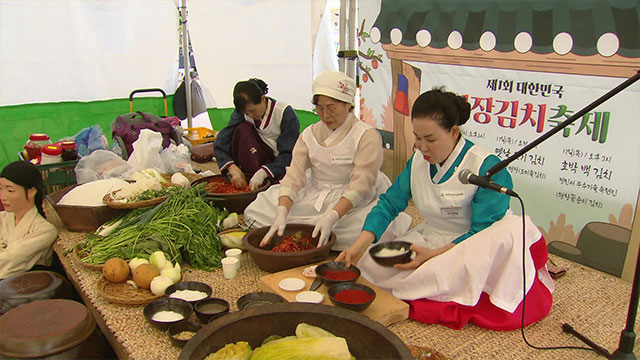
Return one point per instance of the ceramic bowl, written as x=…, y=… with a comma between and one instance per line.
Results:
x=179, y=306
x=330, y=272
x=178, y=331
x=271, y=261
x=201, y=287
x=233, y=202
x=257, y=299
x=400, y=258
x=351, y=305
x=210, y=308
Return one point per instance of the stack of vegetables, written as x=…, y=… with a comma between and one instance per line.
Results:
x=184, y=227
x=309, y=342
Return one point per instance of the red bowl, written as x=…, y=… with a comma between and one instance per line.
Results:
x=270, y=261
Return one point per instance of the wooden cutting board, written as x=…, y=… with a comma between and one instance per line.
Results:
x=385, y=309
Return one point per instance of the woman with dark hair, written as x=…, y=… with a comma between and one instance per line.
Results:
x=259, y=137
x=25, y=235
x=468, y=251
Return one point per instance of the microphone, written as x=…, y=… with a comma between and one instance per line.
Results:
x=466, y=177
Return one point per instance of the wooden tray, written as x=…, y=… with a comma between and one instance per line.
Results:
x=123, y=293
x=77, y=253
x=385, y=309
x=108, y=199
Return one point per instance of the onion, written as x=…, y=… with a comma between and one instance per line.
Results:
x=158, y=259
x=172, y=274
x=159, y=284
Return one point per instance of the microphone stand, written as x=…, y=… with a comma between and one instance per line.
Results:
x=627, y=336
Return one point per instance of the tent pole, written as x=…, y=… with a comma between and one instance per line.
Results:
x=186, y=58
x=343, y=33
x=351, y=64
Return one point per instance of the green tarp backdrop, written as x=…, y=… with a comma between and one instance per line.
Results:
x=64, y=119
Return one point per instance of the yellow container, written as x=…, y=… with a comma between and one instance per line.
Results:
x=199, y=135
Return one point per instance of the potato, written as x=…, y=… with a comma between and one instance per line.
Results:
x=115, y=270
x=143, y=274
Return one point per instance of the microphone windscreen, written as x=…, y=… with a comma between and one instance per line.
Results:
x=463, y=176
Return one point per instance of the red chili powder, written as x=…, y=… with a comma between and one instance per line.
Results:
x=351, y=296
x=340, y=275
x=220, y=185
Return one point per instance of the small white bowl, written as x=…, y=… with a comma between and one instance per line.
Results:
x=313, y=297
x=291, y=284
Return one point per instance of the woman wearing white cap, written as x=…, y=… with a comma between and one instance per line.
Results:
x=344, y=156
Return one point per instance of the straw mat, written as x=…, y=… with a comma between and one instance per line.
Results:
x=592, y=302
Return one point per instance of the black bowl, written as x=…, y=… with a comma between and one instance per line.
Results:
x=189, y=285
x=322, y=271
x=271, y=261
x=205, y=309
x=355, y=306
x=257, y=299
x=233, y=202
x=391, y=260
x=167, y=304
x=177, y=328
x=367, y=339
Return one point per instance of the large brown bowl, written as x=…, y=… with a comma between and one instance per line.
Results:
x=232, y=202
x=270, y=261
x=366, y=338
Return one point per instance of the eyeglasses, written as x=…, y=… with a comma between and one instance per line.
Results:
x=328, y=109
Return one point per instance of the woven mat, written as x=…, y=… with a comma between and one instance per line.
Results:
x=592, y=302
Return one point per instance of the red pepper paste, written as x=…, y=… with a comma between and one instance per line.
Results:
x=340, y=275
x=293, y=243
x=351, y=296
x=221, y=185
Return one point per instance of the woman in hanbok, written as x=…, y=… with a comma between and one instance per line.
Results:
x=334, y=178
x=468, y=251
x=25, y=235
x=259, y=137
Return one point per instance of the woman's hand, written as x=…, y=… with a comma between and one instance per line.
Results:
x=236, y=176
x=354, y=253
x=278, y=225
x=422, y=255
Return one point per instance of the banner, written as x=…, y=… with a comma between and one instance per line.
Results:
x=580, y=186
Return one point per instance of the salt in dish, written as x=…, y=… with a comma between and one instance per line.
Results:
x=167, y=316
x=188, y=295
x=386, y=252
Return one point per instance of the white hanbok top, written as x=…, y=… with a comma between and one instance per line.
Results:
x=329, y=175
x=24, y=245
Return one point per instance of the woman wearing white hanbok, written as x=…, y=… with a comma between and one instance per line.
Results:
x=334, y=178
x=25, y=236
x=468, y=251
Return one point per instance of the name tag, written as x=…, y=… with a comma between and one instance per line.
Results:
x=452, y=195
x=341, y=160
x=452, y=212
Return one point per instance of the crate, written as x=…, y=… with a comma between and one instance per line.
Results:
x=81, y=218
x=56, y=176
x=199, y=135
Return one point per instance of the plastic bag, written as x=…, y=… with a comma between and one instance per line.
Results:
x=101, y=164
x=89, y=140
x=146, y=151
x=176, y=159
x=198, y=104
